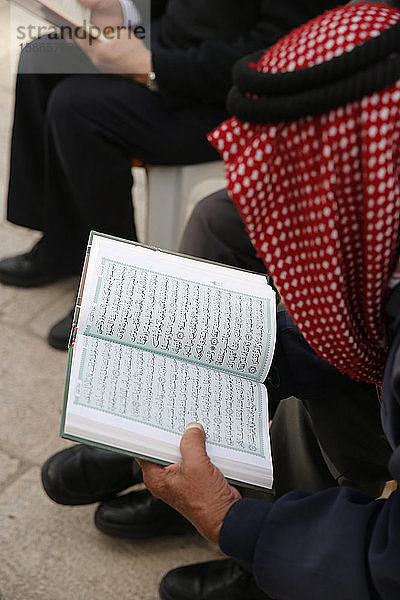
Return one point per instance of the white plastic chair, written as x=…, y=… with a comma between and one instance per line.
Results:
x=171, y=193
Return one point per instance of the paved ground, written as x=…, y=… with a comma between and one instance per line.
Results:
x=50, y=552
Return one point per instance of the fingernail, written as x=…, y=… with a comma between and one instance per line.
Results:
x=194, y=426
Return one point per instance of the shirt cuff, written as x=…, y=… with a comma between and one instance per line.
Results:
x=242, y=526
x=131, y=14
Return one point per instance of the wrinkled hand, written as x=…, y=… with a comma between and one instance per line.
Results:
x=194, y=487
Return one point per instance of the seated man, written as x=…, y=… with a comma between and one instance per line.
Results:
x=304, y=545
x=76, y=128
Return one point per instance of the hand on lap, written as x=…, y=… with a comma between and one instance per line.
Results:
x=113, y=48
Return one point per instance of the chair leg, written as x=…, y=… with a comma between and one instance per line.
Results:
x=170, y=199
x=199, y=181
x=164, y=207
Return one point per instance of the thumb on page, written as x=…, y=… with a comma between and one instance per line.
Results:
x=193, y=445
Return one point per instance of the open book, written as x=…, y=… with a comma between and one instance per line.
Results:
x=160, y=340
x=61, y=13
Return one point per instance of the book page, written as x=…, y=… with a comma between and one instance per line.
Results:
x=203, y=313
x=70, y=8
x=58, y=12
x=116, y=383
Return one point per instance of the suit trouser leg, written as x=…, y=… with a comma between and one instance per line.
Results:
x=215, y=231
x=92, y=126
x=37, y=78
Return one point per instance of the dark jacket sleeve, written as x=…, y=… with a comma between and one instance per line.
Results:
x=339, y=407
x=157, y=8
x=334, y=544
x=204, y=72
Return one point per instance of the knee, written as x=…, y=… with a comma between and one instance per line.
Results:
x=210, y=209
x=199, y=238
x=80, y=100
x=68, y=103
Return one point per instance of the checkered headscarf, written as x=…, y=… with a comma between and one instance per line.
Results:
x=320, y=193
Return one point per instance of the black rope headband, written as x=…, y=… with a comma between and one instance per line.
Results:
x=369, y=67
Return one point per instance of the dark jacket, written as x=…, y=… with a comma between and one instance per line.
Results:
x=195, y=43
x=334, y=544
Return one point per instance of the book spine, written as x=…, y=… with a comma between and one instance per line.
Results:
x=83, y=277
x=74, y=328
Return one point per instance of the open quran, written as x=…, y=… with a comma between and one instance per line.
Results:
x=160, y=340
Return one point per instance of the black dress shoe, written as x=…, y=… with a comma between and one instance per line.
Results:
x=59, y=334
x=25, y=270
x=139, y=515
x=84, y=474
x=214, y=580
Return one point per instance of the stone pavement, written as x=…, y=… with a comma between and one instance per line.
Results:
x=47, y=551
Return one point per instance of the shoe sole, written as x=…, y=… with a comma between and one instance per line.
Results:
x=28, y=282
x=57, y=345
x=147, y=531
x=74, y=500
x=164, y=595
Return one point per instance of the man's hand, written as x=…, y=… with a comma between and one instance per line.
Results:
x=194, y=487
x=123, y=54
x=116, y=50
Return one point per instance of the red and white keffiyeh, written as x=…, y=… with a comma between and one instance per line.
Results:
x=320, y=196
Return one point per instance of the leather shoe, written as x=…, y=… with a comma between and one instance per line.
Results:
x=213, y=580
x=59, y=334
x=139, y=515
x=84, y=474
x=25, y=270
